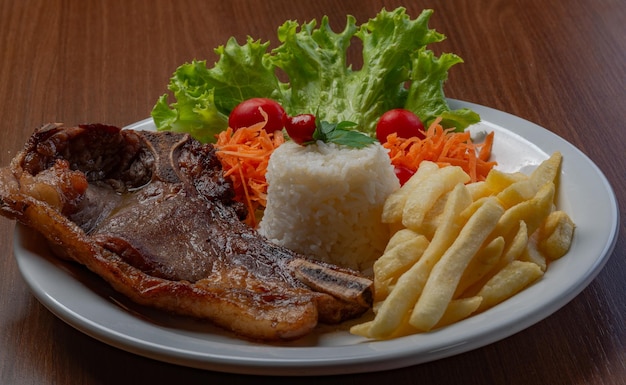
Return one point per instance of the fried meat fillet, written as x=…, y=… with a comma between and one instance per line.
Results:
x=152, y=214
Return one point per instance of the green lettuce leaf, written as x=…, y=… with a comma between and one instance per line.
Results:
x=397, y=72
x=243, y=72
x=194, y=111
x=389, y=41
x=426, y=96
x=315, y=61
x=205, y=96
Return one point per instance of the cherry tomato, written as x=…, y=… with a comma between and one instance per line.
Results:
x=300, y=128
x=403, y=174
x=404, y=122
x=247, y=113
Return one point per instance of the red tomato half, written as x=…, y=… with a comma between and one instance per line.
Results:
x=404, y=122
x=300, y=128
x=247, y=113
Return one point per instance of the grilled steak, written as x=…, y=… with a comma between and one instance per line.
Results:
x=152, y=214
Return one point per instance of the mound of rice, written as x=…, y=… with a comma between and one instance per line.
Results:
x=326, y=200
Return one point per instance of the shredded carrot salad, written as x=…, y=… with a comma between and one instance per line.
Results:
x=444, y=147
x=244, y=154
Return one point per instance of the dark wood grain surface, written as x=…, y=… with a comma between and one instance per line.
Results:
x=560, y=64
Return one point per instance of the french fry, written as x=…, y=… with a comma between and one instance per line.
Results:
x=547, y=171
x=403, y=329
x=456, y=311
x=517, y=193
x=514, y=277
x=473, y=207
x=532, y=254
x=516, y=246
x=376, y=306
x=425, y=195
x=394, y=262
x=361, y=329
x=515, y=249
x=433, y=217
x=479, y=189
x=555, y=235
x=409, y=286
x=482, y=263
x=400, y=237
x=525, y=188
x=532, y=212
x=459, y=309
x=497, y=180
x=445, y=275
x=392, y=209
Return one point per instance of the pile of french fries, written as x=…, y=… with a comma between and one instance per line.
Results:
x=460, y=248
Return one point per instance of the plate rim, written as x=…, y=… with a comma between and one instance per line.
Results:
x=373, y=355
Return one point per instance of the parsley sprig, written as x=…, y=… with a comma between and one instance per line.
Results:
x=340, y=133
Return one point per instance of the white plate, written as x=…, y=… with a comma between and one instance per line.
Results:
x=85, y=302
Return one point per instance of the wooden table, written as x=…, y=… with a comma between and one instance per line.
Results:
x=560, y=64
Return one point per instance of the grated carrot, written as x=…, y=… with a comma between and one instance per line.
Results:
x=244, y=154
x=444, y=147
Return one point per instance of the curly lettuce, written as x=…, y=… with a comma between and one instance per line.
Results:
x=426, y=96
x=398, y=71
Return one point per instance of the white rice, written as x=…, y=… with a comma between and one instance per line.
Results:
x=326, y=200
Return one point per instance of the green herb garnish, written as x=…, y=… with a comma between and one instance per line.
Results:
x=340, y=133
